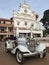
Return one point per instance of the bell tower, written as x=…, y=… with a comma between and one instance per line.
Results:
x=24, y=8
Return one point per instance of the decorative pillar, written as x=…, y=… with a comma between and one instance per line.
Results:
x=7, y=31
x=17, y=32
x=41, y=33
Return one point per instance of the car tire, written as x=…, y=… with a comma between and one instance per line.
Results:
x=19, y=57
x=6, y=50
x=42, y=55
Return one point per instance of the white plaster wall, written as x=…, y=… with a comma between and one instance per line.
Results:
x=22, y=23
x=28, y=17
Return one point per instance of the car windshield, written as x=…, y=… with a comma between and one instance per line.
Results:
x=21, y=40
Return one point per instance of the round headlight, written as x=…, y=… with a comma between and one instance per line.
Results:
x=27, y=43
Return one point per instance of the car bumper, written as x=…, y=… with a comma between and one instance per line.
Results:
x=30, y=54
x=33, y=53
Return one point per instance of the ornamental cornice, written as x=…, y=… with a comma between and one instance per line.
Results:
x=24, y=18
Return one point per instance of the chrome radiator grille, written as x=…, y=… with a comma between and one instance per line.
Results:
x=31, y=47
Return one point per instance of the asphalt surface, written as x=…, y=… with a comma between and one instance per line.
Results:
x=9, y=59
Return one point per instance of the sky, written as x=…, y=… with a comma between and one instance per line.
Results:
x=7, y=7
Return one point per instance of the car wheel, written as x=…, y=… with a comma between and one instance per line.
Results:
x=6, y=50
x=42, y=55
x=19, y=57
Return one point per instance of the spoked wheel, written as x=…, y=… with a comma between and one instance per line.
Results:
x=19, y=57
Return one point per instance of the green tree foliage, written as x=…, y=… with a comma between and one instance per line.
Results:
x=45, y=21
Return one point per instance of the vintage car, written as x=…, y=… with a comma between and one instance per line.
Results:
x=23, y=47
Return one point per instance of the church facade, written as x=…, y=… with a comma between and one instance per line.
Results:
x=26, y=22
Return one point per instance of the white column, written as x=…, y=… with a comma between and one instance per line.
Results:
x=41, y=33
x=17, y=32
x=7, y=31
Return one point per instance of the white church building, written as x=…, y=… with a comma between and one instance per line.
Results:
x=26, y=22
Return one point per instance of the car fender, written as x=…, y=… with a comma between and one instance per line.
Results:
x=40, y=47
x=21, y=48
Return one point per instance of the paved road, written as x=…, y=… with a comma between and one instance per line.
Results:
x=9, y=59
